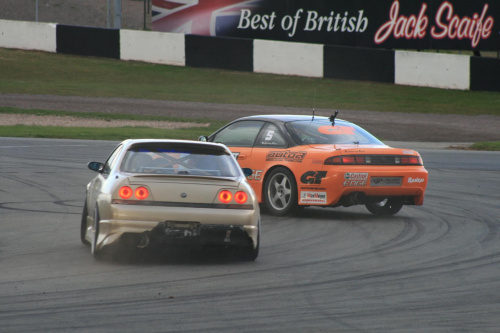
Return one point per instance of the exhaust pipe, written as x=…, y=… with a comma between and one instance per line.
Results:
x=143, y=240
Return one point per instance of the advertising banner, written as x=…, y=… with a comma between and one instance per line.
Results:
x=389, y=24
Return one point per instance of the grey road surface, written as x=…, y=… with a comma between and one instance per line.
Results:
x=433, y=268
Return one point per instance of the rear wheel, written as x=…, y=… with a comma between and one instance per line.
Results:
x=387, y=206
x=250, y=253
x=280, y=192
x=83, y=226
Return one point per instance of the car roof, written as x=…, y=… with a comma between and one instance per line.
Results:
x=284, y=118
x=188, y=143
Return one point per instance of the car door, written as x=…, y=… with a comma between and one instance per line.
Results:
x=95, y=186
x=240, y=137
x=269, y=141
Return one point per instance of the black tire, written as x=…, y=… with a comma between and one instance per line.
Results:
x=250, y=253
x=388, y=206
x=83, y=225
x=280, y=192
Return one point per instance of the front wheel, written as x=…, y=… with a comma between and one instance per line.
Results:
x=83, y=225
x=387, y=206
x=280, y=192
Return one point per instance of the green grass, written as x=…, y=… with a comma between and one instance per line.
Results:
x=24, y=72
x=28, y=72
x=108, y=133
x=486, y=146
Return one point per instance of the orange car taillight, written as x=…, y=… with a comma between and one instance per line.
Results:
x=125, y=192
x=411, y=160
x=374, y=160
x=241, y=197
x=140, y=193
x=225, y=196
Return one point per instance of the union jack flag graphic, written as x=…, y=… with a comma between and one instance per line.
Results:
x=199, y=17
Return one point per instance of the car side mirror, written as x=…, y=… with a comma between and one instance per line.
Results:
x=95, y=166
x=203, y=138
x=247, y=172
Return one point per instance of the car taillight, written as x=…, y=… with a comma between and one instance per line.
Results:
x=411, y=160
x=125, y=192
x=373, y=160
x=241, y=197
x=225, y=196
x=141, y=193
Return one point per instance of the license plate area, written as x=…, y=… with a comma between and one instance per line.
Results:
x=177, y=229
x=386, y=181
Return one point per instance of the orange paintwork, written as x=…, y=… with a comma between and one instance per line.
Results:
x=320, y=184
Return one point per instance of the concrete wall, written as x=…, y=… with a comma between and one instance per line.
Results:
x=435, y=70
x=288, y=58
x=28, y=35
x=154, y=47
x=432, y=70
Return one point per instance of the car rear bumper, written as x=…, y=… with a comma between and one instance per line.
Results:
x=229, y=227
x=343, y=182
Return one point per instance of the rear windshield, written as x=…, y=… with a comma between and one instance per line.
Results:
x=179, y=161
x=322, y=132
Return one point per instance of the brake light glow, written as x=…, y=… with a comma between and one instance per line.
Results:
x=125, y=192
x=241, y=197
x=225, y=196
x=141, y=193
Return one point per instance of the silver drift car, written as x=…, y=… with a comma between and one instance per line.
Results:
x=171, y=192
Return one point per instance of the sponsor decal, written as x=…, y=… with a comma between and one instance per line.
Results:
x=235, y=155
x=313, y=177
x=256, y=175
x=415, y=180
x=385, y=181
x=286, y=155
x=408, y=152
x=354, y=183
x=336, y=130
x=309, y=197
x=356, y=175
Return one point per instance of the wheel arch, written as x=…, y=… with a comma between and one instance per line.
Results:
x=268, y=172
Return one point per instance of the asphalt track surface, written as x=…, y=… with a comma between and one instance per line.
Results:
x=431, y=268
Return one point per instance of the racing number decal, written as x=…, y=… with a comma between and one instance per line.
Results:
x=269, y=135
x=313, y=177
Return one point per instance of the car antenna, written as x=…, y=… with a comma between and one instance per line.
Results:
x=332, y=118
x=314, y=103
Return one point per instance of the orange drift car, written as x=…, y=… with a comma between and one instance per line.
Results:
x=300, y=161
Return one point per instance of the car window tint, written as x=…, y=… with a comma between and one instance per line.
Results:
x=270, y=136
x=322, y=132
x=183, y=161
x=240, y=134
x=111, y=162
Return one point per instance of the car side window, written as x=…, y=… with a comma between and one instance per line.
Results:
x=270, y=136
x=110, y=163
x=240, y=134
